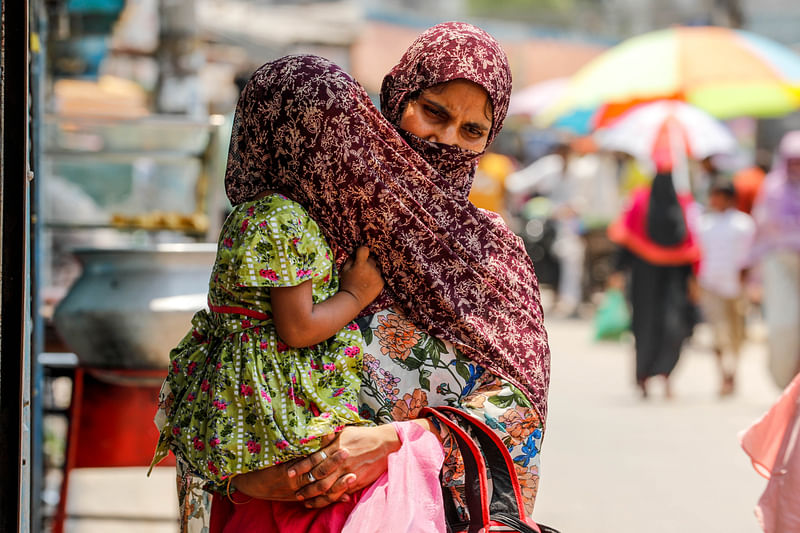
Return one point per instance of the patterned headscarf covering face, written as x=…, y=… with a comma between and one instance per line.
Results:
x=305, y=127
x=446, y=52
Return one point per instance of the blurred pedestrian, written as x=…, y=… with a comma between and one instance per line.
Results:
x=488, y=188
x=726, y=235
x=748, y=181
x=542, y=177
x=777, y=246
x=553, y=176
x=632, y=174
x=658, y=247
x=705, y=175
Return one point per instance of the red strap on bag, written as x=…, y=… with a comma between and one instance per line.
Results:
x=485, y=456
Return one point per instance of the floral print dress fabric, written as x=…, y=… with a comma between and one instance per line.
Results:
x=241, y=399
x=406, y=370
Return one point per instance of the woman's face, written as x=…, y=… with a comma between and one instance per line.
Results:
x=456, y=112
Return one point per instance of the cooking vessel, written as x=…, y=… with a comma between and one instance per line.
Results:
x=131, y=306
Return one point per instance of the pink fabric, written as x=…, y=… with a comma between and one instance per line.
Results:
x=406, y=498
x=262, y=516
x=773, y=447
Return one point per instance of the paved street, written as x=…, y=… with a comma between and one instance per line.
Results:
x=614, y=463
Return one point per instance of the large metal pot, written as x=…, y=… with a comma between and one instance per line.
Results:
x=131, y=306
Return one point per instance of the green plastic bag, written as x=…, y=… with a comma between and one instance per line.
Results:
x=612, y=318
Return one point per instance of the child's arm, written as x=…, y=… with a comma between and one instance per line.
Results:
x=301, y=323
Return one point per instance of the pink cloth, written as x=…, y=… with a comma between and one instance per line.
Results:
x=773, y=447
x=630, y=230
x=262, y=516
x=407, y=498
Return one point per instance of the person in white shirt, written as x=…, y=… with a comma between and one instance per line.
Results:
x=579, y=186
x=726, y=235
x=545, y=176
x=551, y=176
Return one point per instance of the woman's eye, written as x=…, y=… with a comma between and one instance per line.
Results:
x=435, y=112
x=475, y=133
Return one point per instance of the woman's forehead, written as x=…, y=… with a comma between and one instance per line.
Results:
x=464, y=82
x=462, y=93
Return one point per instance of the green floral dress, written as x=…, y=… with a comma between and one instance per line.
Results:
x=237, y=398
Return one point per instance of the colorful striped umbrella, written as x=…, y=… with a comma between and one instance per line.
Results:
x=728, y=73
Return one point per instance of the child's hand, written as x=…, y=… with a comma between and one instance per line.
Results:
x=361, y=277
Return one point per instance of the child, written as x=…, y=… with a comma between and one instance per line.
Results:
x=725, y=238
x=273, y=365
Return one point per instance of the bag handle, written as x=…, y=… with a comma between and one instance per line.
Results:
x=505, y=509
x=507, y=494
x=476, y=486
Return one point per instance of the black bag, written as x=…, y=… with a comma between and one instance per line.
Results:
x=481, y=454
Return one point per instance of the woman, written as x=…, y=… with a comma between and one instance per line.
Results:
x=461, y=321
x=777, y=245
x=405, y=367
x=659, y=249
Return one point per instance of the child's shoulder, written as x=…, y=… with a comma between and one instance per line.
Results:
x=273, y=206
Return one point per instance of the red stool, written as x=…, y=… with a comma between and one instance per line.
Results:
x=111, y=423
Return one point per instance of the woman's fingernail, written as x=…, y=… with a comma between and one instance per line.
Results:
x=345, y=498
x=291, y=473
x=300, y=497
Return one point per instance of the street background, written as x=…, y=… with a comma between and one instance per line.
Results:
x=131, y=107
x=612, y=462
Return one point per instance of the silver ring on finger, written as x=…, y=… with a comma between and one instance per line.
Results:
x=323, y=455
x=311, y=478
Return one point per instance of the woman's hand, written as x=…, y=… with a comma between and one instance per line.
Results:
x=366, y=452
x=347, y=462
x=281, y=482
x=361, y=277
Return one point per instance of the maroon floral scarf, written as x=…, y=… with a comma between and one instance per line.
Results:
x=305, y=127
